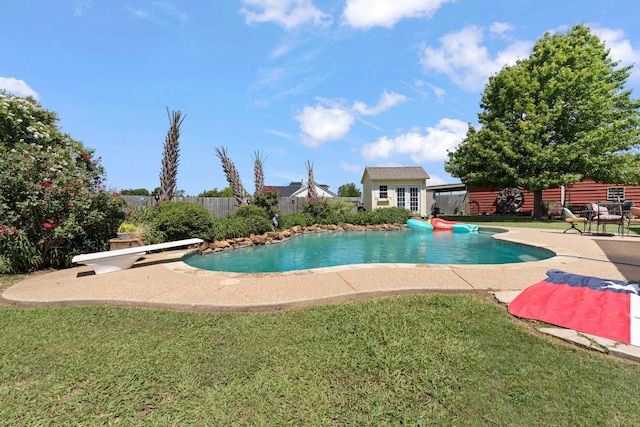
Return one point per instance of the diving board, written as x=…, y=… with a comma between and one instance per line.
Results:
x=122, y=259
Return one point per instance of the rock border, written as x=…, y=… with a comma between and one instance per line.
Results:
x=289, y=233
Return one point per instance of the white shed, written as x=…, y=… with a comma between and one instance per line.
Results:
x=405, y=187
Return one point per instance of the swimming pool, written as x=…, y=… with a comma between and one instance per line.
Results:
x=327, y=249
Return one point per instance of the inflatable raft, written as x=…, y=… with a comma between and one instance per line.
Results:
x=440, y=224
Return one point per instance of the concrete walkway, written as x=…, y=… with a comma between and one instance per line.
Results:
x=163, y=281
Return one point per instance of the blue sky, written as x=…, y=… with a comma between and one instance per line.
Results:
x=341, y=83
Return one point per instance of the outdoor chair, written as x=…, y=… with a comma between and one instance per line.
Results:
x=573, y=220
x=633, y=217
x=600, y=216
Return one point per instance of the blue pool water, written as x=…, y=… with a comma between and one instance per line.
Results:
x=316, y=250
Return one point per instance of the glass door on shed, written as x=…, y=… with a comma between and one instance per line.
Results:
x=408, y=198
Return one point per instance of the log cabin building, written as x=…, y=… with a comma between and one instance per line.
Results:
x=484, y=201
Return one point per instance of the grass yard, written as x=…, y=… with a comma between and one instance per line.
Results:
x=416, y=360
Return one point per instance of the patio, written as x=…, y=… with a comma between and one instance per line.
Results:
x=163, y=281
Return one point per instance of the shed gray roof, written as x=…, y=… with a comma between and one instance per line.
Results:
x=395, y=173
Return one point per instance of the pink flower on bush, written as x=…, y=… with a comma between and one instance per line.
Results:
x=46, y=184
x=48, y=225
x=8, y=230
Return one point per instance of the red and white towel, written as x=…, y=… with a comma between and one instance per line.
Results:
x=601, y=307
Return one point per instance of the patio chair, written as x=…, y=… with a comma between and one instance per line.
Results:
x=601, y=215
x=573, y=220
x=632, y=218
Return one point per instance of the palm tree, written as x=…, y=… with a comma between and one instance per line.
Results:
x=258, y=171
x=233, y=178
x=169, y=171
x=311, y=190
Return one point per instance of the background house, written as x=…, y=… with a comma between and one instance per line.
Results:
x=300, y=189
x=385, y=187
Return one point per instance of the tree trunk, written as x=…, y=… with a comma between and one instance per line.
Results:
x=538, y=208
x=169, y=171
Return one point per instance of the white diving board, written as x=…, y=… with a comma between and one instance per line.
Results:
x=121, y=259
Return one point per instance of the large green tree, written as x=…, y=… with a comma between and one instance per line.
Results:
x=349, y=190
x=558, y=117
x=225, y=192
x=53, y=203
x=135, y=192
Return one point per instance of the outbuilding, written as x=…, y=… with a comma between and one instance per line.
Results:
x=404, y=186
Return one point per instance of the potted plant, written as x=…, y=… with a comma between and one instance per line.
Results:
x=125, y=230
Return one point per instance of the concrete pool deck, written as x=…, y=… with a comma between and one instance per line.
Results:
x=163, y=281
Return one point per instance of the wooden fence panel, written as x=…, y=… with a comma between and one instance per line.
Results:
x=452, y=204
x=224, y=206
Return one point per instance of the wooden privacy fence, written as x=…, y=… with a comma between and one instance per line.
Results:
x=223, y=206
x=453, y=204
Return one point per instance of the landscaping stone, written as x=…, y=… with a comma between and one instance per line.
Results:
x=278, y=236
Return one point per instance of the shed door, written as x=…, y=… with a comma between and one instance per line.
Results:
x=408, y=198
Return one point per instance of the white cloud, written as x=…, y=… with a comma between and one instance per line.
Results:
x=466, y=61
x=286, y=13
x=387, y=100
x=280, y=134
x=81, y=7
x=158, y=12
x=430, y=146
x=169, y=9
x=438, y=91
x=320, y=124
x=620, y=47
x=17, y=87
x=330, y=120
x=437, y=180
x=418, y=86
x=384, y=13
x=500, y=28
x=350, y=167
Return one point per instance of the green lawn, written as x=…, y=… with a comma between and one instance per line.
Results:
x=416, y=360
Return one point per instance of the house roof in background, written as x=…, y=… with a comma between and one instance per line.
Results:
x=395, y=173
x=287, y=190
x=324, y=188
x=295, y=187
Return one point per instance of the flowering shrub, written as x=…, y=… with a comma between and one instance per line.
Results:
x=319, y=209
x=53, y=203
x=267, y=199
x=328, y=211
